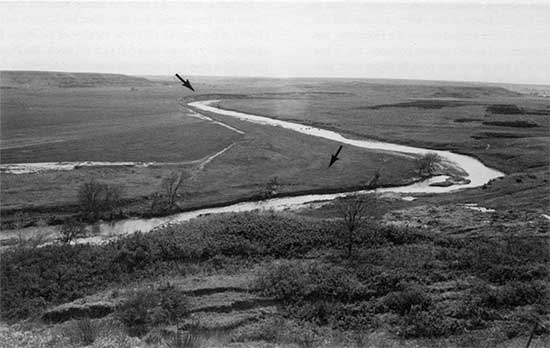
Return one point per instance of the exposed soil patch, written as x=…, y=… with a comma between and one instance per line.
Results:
x=76, y=311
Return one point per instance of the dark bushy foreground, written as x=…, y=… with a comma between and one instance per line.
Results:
x=34, y=278
x=420, y=286
x=417, y=284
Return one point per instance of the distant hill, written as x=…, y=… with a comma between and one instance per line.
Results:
x=44, y=79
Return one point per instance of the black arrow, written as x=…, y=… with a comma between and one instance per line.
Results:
x=334, y=158
x=185, y=83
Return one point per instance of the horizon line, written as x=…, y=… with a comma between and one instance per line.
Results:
x=143, y=75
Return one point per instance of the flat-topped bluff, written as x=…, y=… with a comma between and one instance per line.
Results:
x=44, y=79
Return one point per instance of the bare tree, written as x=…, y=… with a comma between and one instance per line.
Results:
x=89, y=198
x=112, y=197
x=95, y=197
x=20, y=221
x=354, y=212
x=170, y=186
x=427, y=163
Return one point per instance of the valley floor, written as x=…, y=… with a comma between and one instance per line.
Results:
x=463, y=269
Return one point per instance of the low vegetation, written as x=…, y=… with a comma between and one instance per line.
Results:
x=396, y=282
x=33, y=278
x=505, y=109
x=150, y=308
x=83, y=332
x=417, y=284
x=72, y=230
x=424, y=104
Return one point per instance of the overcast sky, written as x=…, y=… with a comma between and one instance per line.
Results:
x=445, y=41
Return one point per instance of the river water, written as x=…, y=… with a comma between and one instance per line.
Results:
x=476, y=173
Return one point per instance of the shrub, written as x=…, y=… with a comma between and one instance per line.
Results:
x=83, y=331
x=429, y=324
x=72, y=230
x=95, y=197
x=514, y=258
x=344, y=316
x=400, y=235
x=307, y=339
x=513, y=294
x=150, y=308
x=185, y=339
x=51, y=274
x=427, y=163
x=298, y=281
x=402, y=302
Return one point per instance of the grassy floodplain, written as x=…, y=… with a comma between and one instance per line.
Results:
x=148, y=123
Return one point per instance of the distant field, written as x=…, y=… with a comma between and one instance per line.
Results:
x=111, y=124
x=420, y=115
x=298, y=161
x=149, y=124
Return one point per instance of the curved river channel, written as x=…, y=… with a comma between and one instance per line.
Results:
x=475, y=173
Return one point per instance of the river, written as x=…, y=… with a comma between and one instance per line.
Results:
x=473, y=170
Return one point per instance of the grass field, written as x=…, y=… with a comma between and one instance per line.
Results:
x=148, y=123
x=299, y=162
x=109, y=124
x=432, y=119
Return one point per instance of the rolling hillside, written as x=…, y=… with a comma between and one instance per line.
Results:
x=42, y=79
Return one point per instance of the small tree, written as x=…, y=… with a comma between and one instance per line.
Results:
x=374, y=181
x=427, y=163
x=354, y=212
x=95, y=197
x=72, y=230
x=170, y=186
x=271, y=187
x=112, y=197
x=89, y=198
x=20, y=221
